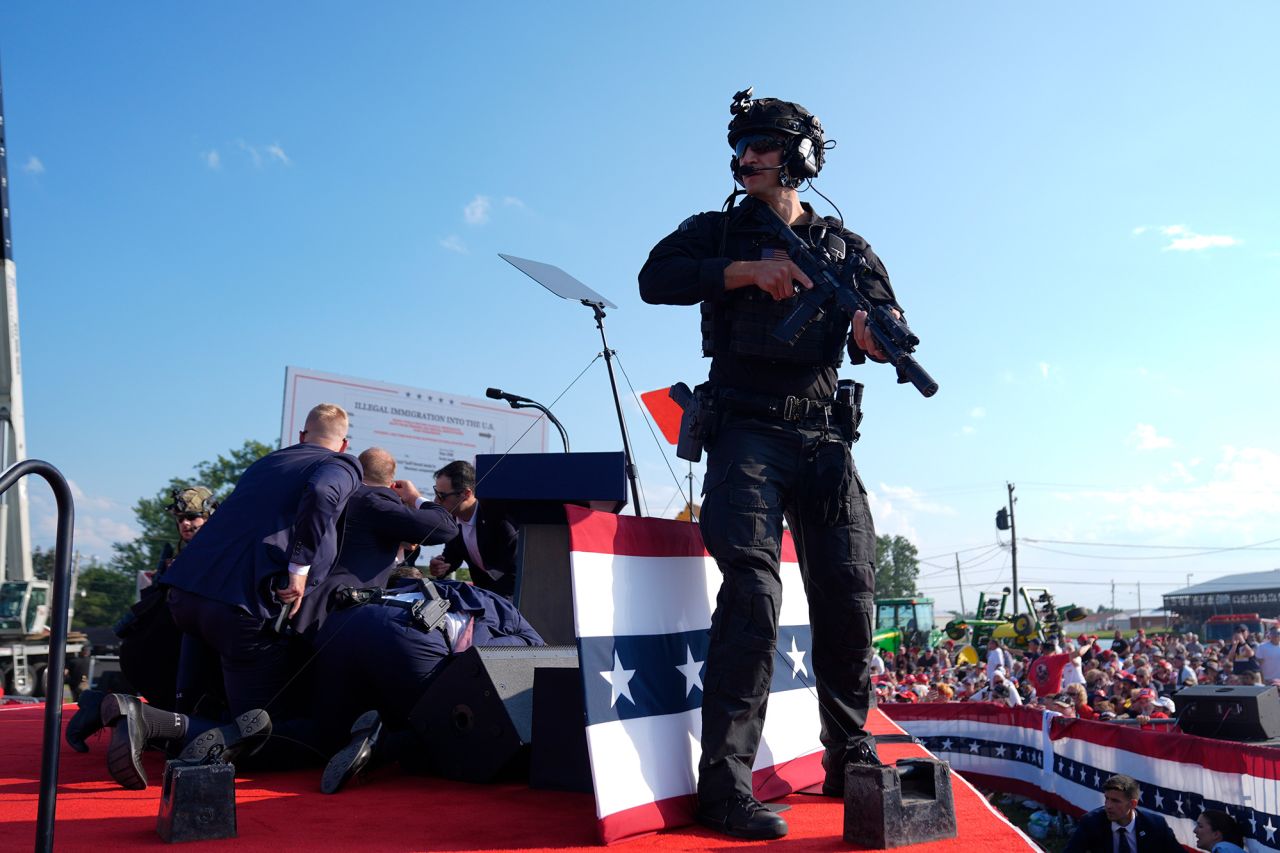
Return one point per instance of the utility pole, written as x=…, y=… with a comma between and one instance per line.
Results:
x=1139, y=603
x=1113, y=597
x=960, y=584
x=1004, y=521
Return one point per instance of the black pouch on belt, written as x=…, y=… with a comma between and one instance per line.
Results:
x=830, y=479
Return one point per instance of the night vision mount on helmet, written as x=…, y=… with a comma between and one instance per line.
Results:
x=804, y=144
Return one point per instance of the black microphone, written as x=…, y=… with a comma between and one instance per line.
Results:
x=496, y=394
x=755, y=170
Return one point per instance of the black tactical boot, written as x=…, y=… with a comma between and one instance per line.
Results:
x=863, y=752
x=741, y=817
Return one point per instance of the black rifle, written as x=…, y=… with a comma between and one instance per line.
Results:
x=890, y=332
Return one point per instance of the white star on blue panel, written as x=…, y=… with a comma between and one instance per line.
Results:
x=691, y=670
x=619, y=681
x=797, y=659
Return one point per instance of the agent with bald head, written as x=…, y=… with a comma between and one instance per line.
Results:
x=382, y=514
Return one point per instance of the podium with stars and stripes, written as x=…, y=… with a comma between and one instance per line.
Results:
x=643, y=594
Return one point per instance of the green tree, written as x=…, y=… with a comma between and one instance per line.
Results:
x=103, y=594
x=220, y=475
x=896, y=567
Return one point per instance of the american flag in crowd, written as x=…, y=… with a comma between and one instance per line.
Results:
x=643, y=592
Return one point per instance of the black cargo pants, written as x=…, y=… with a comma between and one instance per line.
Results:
x=759, y=470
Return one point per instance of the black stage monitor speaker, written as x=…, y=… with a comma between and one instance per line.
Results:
x=477, y=715
x=1230, y=713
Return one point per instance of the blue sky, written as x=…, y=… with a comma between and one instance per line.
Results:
x=1076, y=206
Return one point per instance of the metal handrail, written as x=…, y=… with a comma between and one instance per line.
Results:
x=60, y=606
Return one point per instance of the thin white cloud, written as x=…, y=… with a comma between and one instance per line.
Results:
x=1183, y=239
x=977, y=412
x=100, y=522
x=33, y=165
x=968, y=429
x=512, y=201
x=213, y=159
x=254, y=154
x=275, y=152
x=1239, y=498
x=1044, y=369
x=913, y=500
x=477, y=210
x=454, y=244
x=1145, y=437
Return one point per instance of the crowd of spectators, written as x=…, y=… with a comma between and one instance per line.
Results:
x=1135, y=678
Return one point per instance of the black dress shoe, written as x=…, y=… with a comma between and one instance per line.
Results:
x=128, y=740
x=86, y=720
x=355, y=756
x=244, y=735
x=741, y=817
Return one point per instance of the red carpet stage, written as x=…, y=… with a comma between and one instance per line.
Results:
x=280, y=812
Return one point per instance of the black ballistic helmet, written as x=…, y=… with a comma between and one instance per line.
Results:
x=802, y=155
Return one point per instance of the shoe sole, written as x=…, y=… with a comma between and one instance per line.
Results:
x=251, y=730
x=348, y=762
x=122, y=763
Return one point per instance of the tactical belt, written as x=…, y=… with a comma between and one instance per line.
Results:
x=426, y=614
x=791, y=409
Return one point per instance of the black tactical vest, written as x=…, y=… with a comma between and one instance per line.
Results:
x=741, y=322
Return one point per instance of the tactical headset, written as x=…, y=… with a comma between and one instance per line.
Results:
x=804, y=144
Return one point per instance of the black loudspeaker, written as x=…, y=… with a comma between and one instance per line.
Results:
x=477, y=715
x=560, y=760
x=1230, y=713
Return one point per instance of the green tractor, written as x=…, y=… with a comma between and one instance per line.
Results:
x=902, y=622
x=1041, y=618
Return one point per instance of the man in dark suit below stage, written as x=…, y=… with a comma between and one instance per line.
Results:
x=382, y=516
x=486, y=541
x=1120, y=826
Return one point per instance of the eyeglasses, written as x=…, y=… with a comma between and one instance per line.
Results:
x=442, y=495
x=761, y=143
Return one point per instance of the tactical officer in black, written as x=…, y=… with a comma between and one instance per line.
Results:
x=778, y=446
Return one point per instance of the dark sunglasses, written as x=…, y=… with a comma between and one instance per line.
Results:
x=761, y=143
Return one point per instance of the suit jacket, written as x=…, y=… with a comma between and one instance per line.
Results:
x=1093, y=834
x=284, y=509
x=377, y=521
x=496, y=541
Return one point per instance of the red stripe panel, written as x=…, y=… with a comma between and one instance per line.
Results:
x=605, y=533
x=768, y=784
x=1218, y=755
x=978, y=712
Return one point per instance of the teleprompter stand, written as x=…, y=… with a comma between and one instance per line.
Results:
x=566, y=286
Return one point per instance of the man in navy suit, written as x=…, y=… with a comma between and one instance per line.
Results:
x=384, y=515
x=271, y=543
x=486, y=541
x=1120, y=826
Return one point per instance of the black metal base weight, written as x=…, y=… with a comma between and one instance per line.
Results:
x=197, y=802
x=889, y=806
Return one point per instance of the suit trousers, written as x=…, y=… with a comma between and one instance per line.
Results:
x=758, y=472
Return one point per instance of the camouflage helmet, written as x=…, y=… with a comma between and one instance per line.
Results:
x=196, y=500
